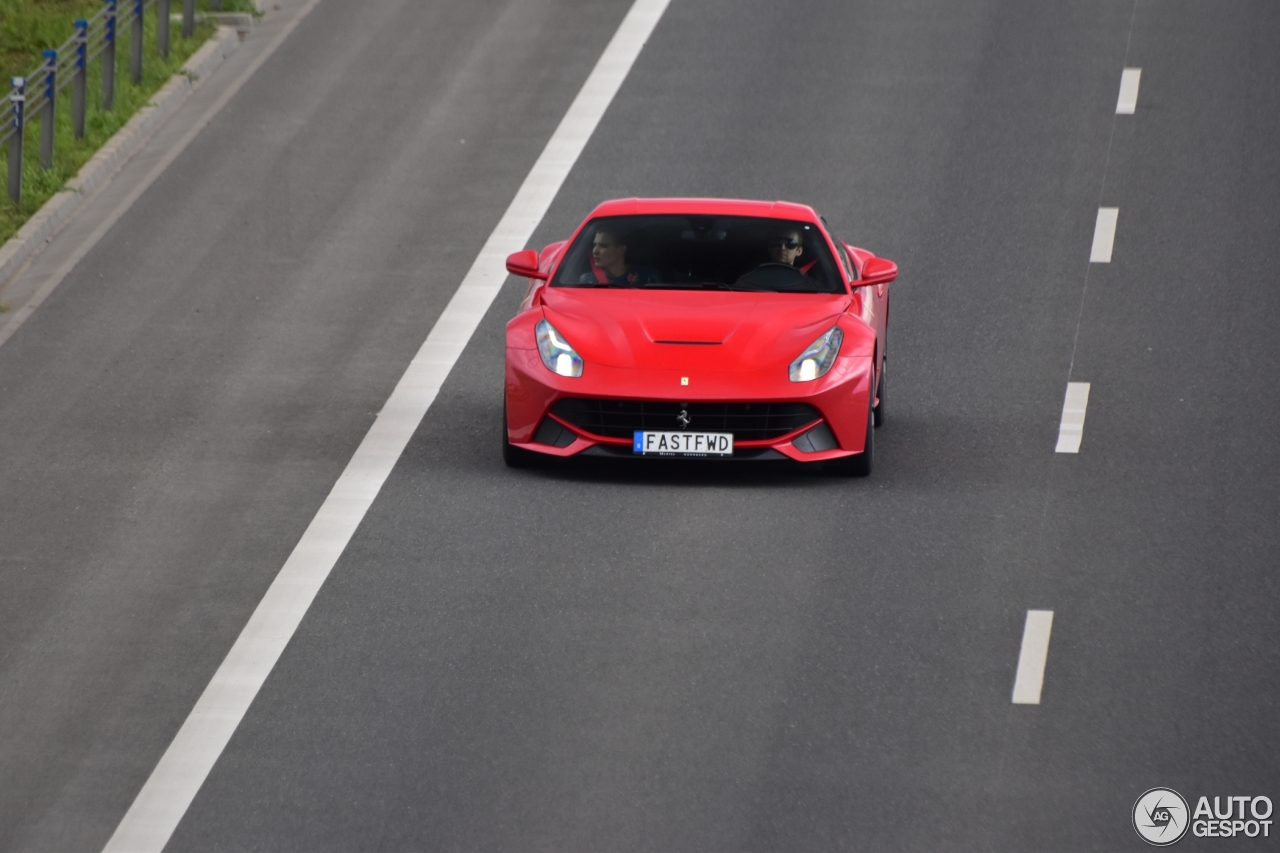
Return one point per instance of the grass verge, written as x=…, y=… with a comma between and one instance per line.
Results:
x=27, y=27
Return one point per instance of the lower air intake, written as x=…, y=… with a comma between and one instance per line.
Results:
x=747, y=421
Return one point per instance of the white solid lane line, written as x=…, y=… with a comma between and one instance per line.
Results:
x=1031, y=660
x=1071, y=430
x=173, y=784
x=1104, y=235
x=1128, y=100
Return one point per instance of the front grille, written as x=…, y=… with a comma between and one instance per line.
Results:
x=747, y=421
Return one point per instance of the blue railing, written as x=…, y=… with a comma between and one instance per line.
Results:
x=68, y=65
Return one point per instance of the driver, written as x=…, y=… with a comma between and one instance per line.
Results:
x=786, y=246
x=609, y=263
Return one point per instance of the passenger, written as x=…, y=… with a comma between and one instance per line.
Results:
x=609, y=264
x=786, y=246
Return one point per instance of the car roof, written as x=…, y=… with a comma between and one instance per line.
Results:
x=705, y=206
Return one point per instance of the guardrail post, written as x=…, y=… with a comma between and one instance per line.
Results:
x=162, y=27
x=79, y=81
x=17, y=99
x=46, y=112
x=188, y=18
x=135, y=45
x=109, y=58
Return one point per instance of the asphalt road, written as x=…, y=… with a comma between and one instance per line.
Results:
x=672, y=657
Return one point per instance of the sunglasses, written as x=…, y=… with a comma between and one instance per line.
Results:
x=786, y=242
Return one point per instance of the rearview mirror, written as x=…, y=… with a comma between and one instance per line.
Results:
x=525, y=263
x=876, y=271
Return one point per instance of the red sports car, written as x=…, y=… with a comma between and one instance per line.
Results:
x=698, y=328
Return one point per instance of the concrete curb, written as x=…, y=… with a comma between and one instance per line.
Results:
x=242, y=22
x=46, y=221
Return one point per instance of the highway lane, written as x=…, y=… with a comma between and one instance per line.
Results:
x=1175, y=665
x=176, y=411
x=604, y=645
x=693, y=658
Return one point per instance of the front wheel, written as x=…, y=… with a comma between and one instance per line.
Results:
x=881, y=387
x=860, y=465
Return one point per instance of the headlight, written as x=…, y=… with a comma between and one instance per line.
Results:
x=556, y=353
x=818, y=357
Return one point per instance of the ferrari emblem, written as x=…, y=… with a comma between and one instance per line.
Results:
x=684, y=380
x=683, y=419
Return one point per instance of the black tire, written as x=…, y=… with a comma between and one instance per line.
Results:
x=881, y=387
x=860, y=465
x=514, y=457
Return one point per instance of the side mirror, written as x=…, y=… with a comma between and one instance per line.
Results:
x=525, y=263
x=877, y=271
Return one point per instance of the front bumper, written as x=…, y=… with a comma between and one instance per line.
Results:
x=841, y=399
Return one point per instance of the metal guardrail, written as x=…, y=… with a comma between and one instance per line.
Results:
x=68, y=65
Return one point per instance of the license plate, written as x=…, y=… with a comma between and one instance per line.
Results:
x=684, y=443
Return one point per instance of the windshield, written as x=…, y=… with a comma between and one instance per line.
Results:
x=682, y=252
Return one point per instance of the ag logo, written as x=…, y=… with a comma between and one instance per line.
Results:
x=1160, y=816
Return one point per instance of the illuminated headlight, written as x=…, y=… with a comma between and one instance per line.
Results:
x=818, y=357
x=556, y=353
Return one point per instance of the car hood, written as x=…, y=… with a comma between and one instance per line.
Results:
x=678, y=329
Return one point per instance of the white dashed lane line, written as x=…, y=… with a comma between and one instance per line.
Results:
x=1127, y=103
x=1104, y=235
x=1071, y=429
x=1031, y=660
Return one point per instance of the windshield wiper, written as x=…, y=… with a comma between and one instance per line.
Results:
x=693, y=285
